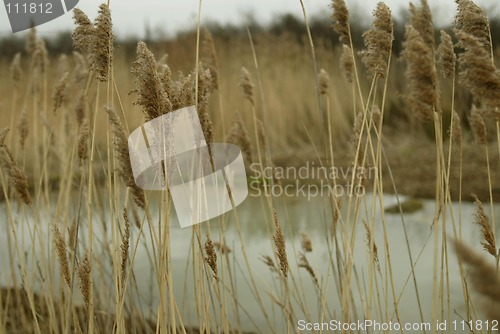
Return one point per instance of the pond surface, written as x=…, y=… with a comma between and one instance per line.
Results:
x=296, y=216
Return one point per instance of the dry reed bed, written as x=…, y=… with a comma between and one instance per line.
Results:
x=69, y=122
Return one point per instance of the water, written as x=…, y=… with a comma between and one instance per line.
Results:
x=296, y=215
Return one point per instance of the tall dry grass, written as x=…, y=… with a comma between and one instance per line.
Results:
x=64, y=155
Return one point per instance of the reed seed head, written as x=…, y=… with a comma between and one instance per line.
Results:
x=280, y=246
x=95, y=39
x=59, y=94
x=211, y=258
x=17, y=178
x=376, y=116
x=3, y=135
x=247, y=85
x=152, y=96
x=472, y=20
x=423, y=95
x=476, y=70
x=40, y=57
x=15, y=69
x=478, y=127
x=84, y=271
x=211, y=60
x=81, y=109
x=268, y=261
x=378, y=42
x=347, y=63
x=305, y=242
x=222, y=248
x=83, y=35
x=340, y=17
x=238, y=135
x=23, y=127
x=83, y=138
x=483, y=274
x=304, y=263
x=324, y=82
x=31, y=39
x=446, y=55
x=481, y=219
x=103, y=48
x=62, y=256
x=372, y=246
x=421, y=20
x=120, y=146
x=124, y=247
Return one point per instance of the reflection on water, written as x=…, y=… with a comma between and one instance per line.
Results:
x=313, y=217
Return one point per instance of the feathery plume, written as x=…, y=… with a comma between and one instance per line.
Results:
x=472, y=20
x=3, y=135
x=372, y=246
x=305, y=242
x=421, y=20
x=268, y=261
x=347, y=63
x=23, y=127
x=83, y=35
x=205, y=88
x=210, y=59
x=95, y=39
x=378, y=42
x=31, y=39
x=478, y=127
x=81, y=71
x=222, y=248
x=484, y=276
x=103, y=47
x=279, y=244
x=421, y=75
x=238, y=135
x=124, y=247
x=62, y=256
x=446, y=55
x=181, y=92
x=83, y=137
x=83, y=272
x=211, y=258
x=15, y=69
x=376, y=116
x=247, y=85
x=481, y=219
x=120, y=145
x=324, y=82
x=40, y=57
x=59, y=94
x=18, y=179
x=304, y=263
x=476, y=71
x=340, y=17
x=152, y=96
x=81, y=108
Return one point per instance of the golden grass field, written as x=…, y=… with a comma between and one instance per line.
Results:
x=427, y=121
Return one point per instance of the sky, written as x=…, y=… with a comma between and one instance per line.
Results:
x=130, y=17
